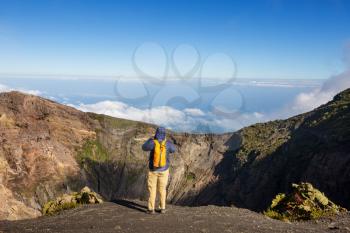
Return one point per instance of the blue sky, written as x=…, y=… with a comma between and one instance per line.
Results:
x=266, y=39
x=283, y=51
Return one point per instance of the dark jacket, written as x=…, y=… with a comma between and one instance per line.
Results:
x=149, y=146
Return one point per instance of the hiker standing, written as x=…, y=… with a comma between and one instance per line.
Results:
x=158, y=174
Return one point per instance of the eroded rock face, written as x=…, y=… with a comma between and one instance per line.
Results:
x=13, y=209
x=48, y=149
x=38, y=139
x=120, y=169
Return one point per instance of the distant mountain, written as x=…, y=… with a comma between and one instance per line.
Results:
x=47, y=149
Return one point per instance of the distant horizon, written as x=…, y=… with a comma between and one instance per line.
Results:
x=180, y=106
x=114, y=77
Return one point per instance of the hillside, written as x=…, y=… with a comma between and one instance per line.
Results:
x=312, y=147
x=48, y=149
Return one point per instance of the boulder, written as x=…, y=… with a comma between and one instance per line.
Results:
x=303, y=203
x=69, y=201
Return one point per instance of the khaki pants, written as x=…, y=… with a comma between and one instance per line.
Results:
x=157, y=182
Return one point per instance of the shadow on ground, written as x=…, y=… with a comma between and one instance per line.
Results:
x=131, y=205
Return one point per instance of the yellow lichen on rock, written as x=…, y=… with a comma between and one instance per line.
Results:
x=69, y=201
x=304, y=203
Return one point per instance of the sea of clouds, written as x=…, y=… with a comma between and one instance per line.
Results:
x=195, y=119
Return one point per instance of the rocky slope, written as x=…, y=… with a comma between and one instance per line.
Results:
x=312, y=147
x=48, y=149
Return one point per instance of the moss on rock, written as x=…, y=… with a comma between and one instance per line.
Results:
x=304, y=203
x=263, y=139
x=190, y=176
x=69, y=201
x=94, y=151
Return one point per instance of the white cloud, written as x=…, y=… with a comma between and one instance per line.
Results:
x=31, y=92
x=194, y=112
x=4, y=88
x=282, y=83
x=162, y=115
x=194, y=119
x=189, y=119
x=307, y=101
x=303, y=102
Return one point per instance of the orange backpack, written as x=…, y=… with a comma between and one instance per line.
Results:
x=159, y=155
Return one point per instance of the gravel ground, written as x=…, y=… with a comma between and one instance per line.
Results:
x=130, y=216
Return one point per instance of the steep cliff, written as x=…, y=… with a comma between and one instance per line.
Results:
x=38, y=143
x=313, y=147
x=48, y=149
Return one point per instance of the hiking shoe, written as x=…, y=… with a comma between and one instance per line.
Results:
x=150, y=212
x=162, y=211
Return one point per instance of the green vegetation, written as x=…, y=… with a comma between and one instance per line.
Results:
x=114, y=122
x=304, y=203
x=190, y=176
x=94, y=151
x=336, y=109
x=262, y=139
x=70, y=201
x=52, y=208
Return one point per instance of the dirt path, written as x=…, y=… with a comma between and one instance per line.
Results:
x=130, y=216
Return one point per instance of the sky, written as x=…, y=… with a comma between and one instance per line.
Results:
x=191, y=66
x=277, y=39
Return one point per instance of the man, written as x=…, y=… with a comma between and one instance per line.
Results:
x=158, y=174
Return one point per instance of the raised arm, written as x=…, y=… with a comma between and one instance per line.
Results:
x=148, y=145
x=170, y=147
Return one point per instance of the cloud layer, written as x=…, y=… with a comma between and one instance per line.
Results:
x=163, y=115
x=188, y=119
x=195, y=119
x=4, y=88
